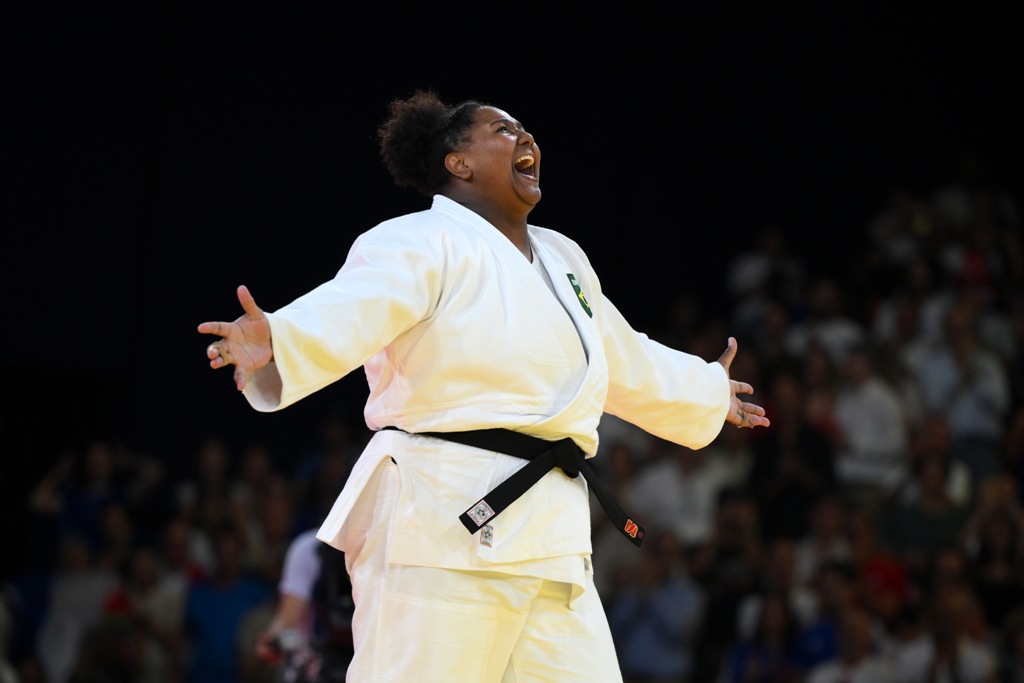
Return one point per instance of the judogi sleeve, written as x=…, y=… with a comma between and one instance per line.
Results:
x=668, y=393
x=389, y=283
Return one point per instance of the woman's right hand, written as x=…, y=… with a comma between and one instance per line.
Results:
x=244, y=343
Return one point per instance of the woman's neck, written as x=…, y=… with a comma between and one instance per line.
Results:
x=512, y=226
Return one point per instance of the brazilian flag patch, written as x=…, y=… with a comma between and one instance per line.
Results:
x=579, y=294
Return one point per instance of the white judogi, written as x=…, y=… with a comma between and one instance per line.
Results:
x=457, y=331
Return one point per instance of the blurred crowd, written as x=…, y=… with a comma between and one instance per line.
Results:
x=875, y=532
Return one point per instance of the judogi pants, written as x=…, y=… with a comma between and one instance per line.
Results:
x=432, y=625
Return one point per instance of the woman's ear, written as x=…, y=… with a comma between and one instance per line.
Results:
x=456, y=165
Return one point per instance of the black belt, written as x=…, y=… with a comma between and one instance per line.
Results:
x=543, y=456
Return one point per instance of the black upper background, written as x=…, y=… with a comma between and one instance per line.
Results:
x=159, y=157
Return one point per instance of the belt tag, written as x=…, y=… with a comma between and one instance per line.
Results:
x=481, y=512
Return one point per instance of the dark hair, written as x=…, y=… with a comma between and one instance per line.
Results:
x=418, y=133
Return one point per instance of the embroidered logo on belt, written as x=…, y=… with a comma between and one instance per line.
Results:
x=631, y=528
x=481, y=512
x=579, y=294
x=487, y=535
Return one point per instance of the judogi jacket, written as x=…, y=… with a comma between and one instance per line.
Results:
x=456, y=330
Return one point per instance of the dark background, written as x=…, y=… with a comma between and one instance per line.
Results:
x=156, y=158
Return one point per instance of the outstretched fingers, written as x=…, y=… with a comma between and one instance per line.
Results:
x=725, y=360
x=749, y=415
x=241, y=377
x=248, y=302
x=217, y=328
x=742, y=387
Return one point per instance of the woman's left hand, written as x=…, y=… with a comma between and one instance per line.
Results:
x=741, y=413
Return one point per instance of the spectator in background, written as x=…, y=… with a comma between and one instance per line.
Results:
x=215, y=608
x=859, y=660
x=947, y=651
x=118, y=537
x=911, y=315
x=756, y=278
x=769, y=339
x=883, y=583
x=309, y=636
x=728, y=459
x=825, y=541
x=154, y=601
x=271, y=530
x=258, y=476
x=793, y=463
x=117, y=649
x=893, y=241
x=75, y=493
x=931, y=439
x=176, y=552
x=917, y=529
x=677, y=493
x=994, y=546
x=655, y=617
x=873, y=428
x=821, y=379
x=771, y=654
x=967, y=384
x=828, y=323
x=835, y=588
x=728, y=567
x=321, y=472
x=210, y=476
x=79, y=589
x=778, y=576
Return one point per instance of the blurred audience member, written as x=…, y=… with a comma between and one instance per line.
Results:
x=767, y=273
x=994, y=545
x=655, y=617
x=874, y=428
x=728, y=567
x=78, y=489
x=154, y=601
x=946, y=651
x=116, y=649
x=932, y=439
x=829, y=323
x=778, y=576
x=215, y=608
x=321, y=473
x=677, y=493
x=968, y=385
x=825, y=541
x=836, y=589
x=931, y=521
x=78, y=590
x=883, y=582
x=793, y=463
x=859, y=660
x=771, y=654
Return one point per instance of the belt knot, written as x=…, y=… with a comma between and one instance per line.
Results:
x=567, y=457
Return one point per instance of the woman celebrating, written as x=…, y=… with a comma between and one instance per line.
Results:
x=491, y=354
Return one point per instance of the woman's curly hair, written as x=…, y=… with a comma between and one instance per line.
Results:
x=418, y=133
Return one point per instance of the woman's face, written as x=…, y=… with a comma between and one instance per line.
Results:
x=503, y=158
